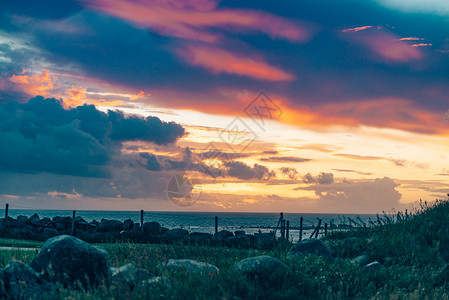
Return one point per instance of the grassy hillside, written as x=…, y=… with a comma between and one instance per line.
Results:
x=413, y=248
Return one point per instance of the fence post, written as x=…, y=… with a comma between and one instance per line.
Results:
x=279, y=223
x=72, y=231
x=325, y=229
x=318, y=228
x=141, y=220
x=6, y=215
x=287, y=235
x=216, y=224
x=300, y=228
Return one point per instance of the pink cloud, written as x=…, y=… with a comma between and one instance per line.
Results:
x=222, y=61
x=386, y=45
x=355, y=29
x=193, y=19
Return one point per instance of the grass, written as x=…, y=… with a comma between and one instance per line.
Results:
x=414, y=248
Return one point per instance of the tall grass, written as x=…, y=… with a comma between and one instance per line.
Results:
x=413, y=247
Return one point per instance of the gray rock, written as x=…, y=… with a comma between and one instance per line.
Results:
x=264, y=240
x=34, y=219
x=360, y=260
x=152, y=228
x=19, y=281
x=110, y=226
x=191, y=266
x=69, y=260
x=128, y=224
x=310, y=246
x=262, y=266
x=130, y=275
x=174, y=235
x=200, y=237
x=50, y=232
x=373, y=267
x=224, y=234
x=239, y=233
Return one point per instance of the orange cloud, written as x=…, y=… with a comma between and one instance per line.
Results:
x=77, y=96
x=139, y=95
x=193, y=19
x=392, y=113
x=222, y=61
x=355, y=29
x=421, y=45
x=411, y=39
x=38, y=84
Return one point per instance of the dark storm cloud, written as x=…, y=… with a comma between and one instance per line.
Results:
x=41, y=136
x=242, y=171
x=322, y=178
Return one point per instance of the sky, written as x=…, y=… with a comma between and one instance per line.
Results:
x=247, y=106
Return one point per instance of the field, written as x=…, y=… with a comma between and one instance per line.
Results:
x=414, y=248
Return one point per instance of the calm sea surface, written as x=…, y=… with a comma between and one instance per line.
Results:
x=204, y=221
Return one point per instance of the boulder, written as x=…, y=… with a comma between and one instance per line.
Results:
x=50, y=232
x=110, y=225
x=130, y=275
x=239, y=233
x=200, y=237
x=151, y=228
x=373, y=267
x=310, y=246
x=19, y=281
x=189, y=265
x=44, y=222
x=22, y=219
x=264, y=240
x=261, y=266
x=224, y=234
x=33, y=220
x=240, y=241
x=68, y=260
x=174, y=235
x=65, y=220
x=128, y=224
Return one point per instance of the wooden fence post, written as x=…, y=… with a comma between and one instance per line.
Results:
x=325, y=229
x=141, y=220
x=6, y=215
x=300, y=228
x=216, y=224
x=318, y=228
x=72, y=231
x=287, y=235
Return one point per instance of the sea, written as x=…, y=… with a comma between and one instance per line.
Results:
x=205, y=221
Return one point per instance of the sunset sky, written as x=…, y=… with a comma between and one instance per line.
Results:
x=263, y=106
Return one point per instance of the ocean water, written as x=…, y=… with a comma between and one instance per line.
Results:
x=205, y=221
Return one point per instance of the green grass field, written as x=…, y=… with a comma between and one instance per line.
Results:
x=413, y=248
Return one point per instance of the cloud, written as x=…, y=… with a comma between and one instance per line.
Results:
x=438, y=7
x=242, y=171
x=355, y=29
x=41, y=136
x=322, y=178
x=292, y=173
x=367, y=196
x=352, y=171
x=359, y=157
x=385, y=45
x=197, y=19
x=285, y=159
x=221, y=61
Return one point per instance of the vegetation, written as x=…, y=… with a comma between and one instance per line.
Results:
x=413, y=248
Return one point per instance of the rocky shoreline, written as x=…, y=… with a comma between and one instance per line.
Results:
x=36, y=228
